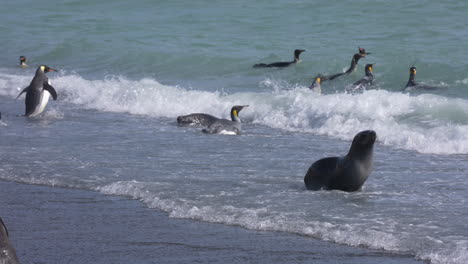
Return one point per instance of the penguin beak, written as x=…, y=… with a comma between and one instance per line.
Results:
x=49, y=70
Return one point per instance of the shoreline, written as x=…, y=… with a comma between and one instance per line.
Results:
x=62, y=225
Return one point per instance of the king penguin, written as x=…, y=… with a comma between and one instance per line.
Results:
x=227, y=127
x=412, y=84
x=23, y=62
x=365, y=81
x=354, y=61
x=38, y=92
x=7, y=251
x=315, y=86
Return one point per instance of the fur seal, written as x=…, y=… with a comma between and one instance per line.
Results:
x=347, y=173
x=7, y=251
x=281, y=64
x=38, y=92
x=197, y=119
x=227, y=127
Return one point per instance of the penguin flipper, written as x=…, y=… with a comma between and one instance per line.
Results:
x=51, y=90
x=24, y=90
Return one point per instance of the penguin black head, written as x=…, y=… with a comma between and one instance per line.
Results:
x=23, y=61
x=412, y=70
x=297, y=53
x=369, y=67
x=45, y=68
x=236, y=109
x=363, y=51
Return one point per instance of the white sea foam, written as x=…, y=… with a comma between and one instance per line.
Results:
x=264, y=219
x=425, y=123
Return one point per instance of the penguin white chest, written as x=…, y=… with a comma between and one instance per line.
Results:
x=44, y=99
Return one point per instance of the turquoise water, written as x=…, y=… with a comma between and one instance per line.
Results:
x=127, y=70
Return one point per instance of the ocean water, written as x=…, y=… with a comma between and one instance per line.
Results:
x=128, y=69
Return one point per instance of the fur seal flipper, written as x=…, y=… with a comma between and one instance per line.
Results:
x=347, y=173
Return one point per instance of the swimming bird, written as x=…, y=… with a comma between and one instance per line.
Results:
x=354, y=61
x=281, y=64
x=412, y=84
x=365, y=81
x=38, y=92
x=7, y=251
x=228, y=127
x=23, y=62
x=315, y=86
x=196, y=119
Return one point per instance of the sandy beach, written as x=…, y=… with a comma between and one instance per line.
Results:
x=59, y=225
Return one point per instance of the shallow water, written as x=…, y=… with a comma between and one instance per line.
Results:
x=128, y=70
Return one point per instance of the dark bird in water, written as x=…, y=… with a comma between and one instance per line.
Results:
x=365, y=81
x=38, y=92
x=7, y=251
x=315, y=86
x=228, y=127
x=196, y=119
x=281, y=64
x=354, y=61
x=23, y=62
x=412, y=84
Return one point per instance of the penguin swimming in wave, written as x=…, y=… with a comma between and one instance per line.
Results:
x=227, y=127
x=366, y=81
x=281, y=64
x=23, y=62
x=354, y=61
x=412, y=84
x=315, y=86
x=38, y=92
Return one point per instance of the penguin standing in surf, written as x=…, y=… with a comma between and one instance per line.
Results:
x=38, y=92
